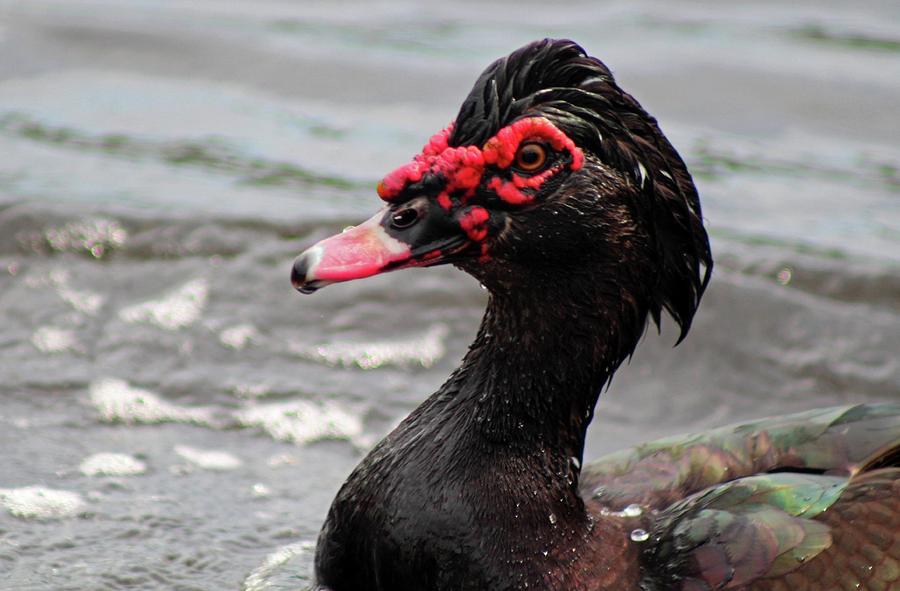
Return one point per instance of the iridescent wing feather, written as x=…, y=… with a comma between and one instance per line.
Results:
x=807, y=501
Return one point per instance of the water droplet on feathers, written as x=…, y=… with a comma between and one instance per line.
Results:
x=633, y=510
x=639, y=535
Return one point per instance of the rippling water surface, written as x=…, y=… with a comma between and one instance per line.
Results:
x=173, y=416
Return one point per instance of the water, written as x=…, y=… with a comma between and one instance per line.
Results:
x=174, y=416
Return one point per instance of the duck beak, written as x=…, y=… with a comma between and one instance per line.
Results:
x=359, y=251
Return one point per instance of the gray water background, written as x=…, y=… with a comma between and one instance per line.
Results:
x=161, y=163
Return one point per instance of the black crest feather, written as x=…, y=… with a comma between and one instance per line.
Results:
x=558, y=80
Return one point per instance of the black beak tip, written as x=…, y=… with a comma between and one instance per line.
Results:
x=298, y=274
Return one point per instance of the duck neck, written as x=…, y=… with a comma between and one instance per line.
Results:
x=537, y=367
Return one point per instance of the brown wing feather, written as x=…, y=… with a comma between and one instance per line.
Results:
x=839, y=440
x=865, y=551
x=728, y=505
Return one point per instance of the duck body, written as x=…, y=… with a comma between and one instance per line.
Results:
x=560, y=194
x=450, y=495
x=408, y=522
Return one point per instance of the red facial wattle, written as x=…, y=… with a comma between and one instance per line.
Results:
x=464, y=168
x=473, y=221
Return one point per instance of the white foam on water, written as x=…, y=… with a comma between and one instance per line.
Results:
x=112, y=464
x=82, y=300
x=297, y=421
x=302, y=421
x=118, y=401
x=259, y=578
x=238, y=337
x=209, y=459
x=52, y=339
x=38, y=502
x=424, y=351
x=177, y=309
x=260, y=490
x=96, y=236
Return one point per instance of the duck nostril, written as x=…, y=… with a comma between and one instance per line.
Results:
x=405, y=218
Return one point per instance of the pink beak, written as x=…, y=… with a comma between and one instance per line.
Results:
x=357, y=252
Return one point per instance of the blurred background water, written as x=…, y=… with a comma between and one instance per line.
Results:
x=174, y=416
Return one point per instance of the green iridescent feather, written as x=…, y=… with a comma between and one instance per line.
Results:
x=839, y=441
x=749, y=528
x=738, y=505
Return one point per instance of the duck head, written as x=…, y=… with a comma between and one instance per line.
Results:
x=549, y=175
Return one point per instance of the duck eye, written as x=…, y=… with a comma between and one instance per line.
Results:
x=400, y=220
x=531, y=157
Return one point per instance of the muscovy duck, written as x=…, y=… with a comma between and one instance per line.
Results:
x=561, y=195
